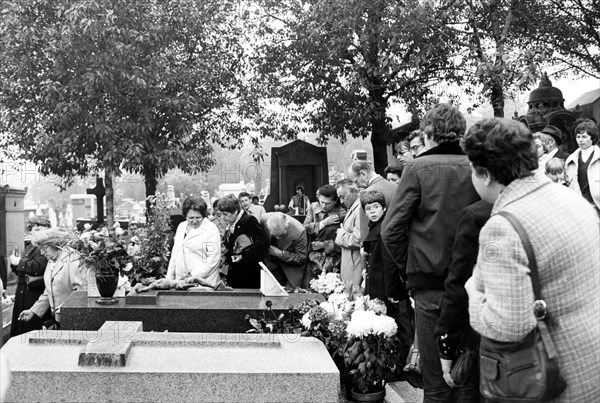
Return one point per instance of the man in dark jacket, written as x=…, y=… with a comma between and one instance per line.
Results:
x=453, y=330
x=420, y=226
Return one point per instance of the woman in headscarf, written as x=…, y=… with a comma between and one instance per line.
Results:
x=29, y=268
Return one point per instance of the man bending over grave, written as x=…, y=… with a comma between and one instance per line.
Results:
x=288, y=253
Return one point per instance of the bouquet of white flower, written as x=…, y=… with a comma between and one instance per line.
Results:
x=373, y=350
x=328, y=283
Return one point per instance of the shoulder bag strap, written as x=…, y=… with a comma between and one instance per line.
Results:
x=535, y=281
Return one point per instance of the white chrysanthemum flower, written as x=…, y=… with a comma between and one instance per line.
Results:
x=116, y=225
x=128, y=267
x=119, y=231
x=87, y=227
x=384, y=325
x=361, y=323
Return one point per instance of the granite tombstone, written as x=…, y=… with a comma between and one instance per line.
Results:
x=121, y=363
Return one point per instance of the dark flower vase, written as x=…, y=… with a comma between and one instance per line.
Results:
x=368, y=397
x=107, y=285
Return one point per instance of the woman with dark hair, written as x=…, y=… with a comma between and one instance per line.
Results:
x=299, y=202
x=420, y=227
x=246, y=242
x=29, y=268
x=197, y=248
x=393, y=172
x=563, y=229
x=583, y=166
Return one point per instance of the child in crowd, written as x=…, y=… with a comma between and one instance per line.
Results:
x=555, y=170
x=382, y=277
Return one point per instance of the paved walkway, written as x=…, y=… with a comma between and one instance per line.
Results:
x=400, y=392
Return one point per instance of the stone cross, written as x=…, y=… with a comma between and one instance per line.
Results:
x=99, y=192
x=112, y=346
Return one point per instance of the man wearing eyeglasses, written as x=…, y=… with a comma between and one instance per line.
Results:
x=416, y=143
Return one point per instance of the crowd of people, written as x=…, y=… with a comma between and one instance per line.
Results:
x=429, y=240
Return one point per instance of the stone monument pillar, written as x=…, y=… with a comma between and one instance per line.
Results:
x=12, y=224
x=547, y=107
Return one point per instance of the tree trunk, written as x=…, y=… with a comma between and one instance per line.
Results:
x=110, y=202
x=497, y=98
x=378, y=136
x=151, y=183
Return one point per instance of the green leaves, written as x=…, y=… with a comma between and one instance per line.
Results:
x=124, y=84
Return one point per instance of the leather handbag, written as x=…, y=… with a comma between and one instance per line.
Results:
x=527, y=370
x=412, y=369
x=463, y=366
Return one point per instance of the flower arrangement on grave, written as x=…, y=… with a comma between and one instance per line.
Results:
x=152, y=242
x=327, y=284
x=106, y=250
x=288, y=322
x=373, y=351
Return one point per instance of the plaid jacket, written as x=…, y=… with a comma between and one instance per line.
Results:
x=564, y=232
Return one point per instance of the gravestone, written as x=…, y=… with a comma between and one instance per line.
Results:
x=177, y=311
x=121, y=363
x=296, y=164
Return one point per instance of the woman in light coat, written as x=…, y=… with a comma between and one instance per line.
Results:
x=563, y=229
x=583, y=166
x=197, y=249
x=63, y=275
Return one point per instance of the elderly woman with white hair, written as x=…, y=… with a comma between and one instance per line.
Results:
x=288, y=253
x=63, y=276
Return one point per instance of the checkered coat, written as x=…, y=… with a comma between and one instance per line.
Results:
x=564, y=231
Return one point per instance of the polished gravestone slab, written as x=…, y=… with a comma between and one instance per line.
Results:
x=177, y=311
x=121, y=363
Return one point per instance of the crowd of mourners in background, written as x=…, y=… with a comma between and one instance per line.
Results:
x=427, y=239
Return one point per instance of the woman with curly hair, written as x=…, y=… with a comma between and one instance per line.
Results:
x=29, y=268
x=563, y=229
x=63, y=276
x=197, y=248
x=420, y=226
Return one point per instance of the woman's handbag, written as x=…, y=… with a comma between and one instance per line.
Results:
x=524, y=371
x=463, y=366
x=412, y=369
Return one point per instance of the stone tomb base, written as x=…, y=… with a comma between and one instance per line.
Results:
x=120, y=363
x=195, y=311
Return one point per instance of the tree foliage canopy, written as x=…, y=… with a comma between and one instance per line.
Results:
x=141, y=85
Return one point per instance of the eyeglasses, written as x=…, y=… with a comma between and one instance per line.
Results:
x=193, y=218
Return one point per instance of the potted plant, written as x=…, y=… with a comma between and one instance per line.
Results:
x=108, y=253
x=372, y=353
